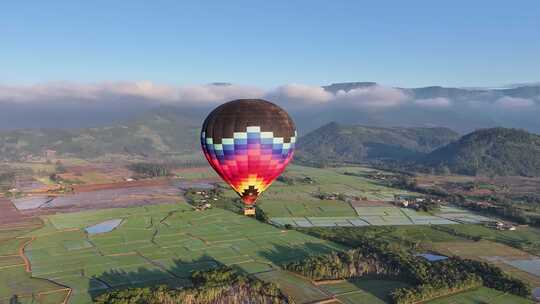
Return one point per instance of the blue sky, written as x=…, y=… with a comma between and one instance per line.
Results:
x=268, y=43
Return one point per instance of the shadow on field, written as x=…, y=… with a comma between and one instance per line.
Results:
x=177, y=275
x=283, y=254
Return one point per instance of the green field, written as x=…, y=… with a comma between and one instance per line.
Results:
x=363, y=291
x=298, y=206
x=367, y=216
x=295, y=286
x=158, y=244
x=197, y=173
x=165, y=243
x=415, y=234
x=525, y=238
x=282, y=200
x=14, y=280
x=481, y=295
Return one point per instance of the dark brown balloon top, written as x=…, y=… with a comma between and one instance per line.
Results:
x=237, y=115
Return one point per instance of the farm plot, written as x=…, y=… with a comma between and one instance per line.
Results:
x=298, y=200
x=460, y=215
x=204, y=172
x=106, y=198
x=298, y=206
x=367, y=216
x=478, y=250
x=15, y=281
x=481, y=295
x=417, y=233
x=95, y=173
x=531, y=266
x=31, y=202
x=158, y=244
x=298, y=288
x=10, y=215
x=515, y=262
x=363, y=291
x=307, y=222
x=525, y=238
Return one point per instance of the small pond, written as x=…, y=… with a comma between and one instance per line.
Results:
x=103, y=227
x=432, y=257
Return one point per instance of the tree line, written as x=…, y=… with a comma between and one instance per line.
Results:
x=374, y=258
x=150, y=169
x=217, y=286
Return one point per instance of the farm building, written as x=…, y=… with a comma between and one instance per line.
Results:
x=49, y=154
x=500, y=225
x=406, y=200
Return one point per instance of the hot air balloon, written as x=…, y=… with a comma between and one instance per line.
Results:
x=248, y=142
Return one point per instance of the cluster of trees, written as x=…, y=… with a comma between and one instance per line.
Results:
x=150, y=169
x=260, y=215
x=221, y=285
x=214, y=196
x=295, y=180
x=197, y=197
x=332, y=196
x=375, y=258
x=454, y=275
x=6, y=180
x=365, y=260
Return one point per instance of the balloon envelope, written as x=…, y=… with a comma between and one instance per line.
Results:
x=248, y=142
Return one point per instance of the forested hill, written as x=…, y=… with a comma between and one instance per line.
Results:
x=497, y=151
x=156, y=133
x=340, y=143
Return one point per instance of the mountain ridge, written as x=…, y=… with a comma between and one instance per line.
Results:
x=335, y=142
x=493, y=151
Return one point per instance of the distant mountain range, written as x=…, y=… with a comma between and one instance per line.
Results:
x=365, y=103
x=463, y=110
x=172, y=133
x=522, y=91
x=163, y=131
x=425, y=134
x=356, y=144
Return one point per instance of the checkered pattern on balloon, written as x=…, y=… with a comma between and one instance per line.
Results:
x=250, y=161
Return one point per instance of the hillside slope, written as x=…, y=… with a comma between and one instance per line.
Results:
x=159, y=132
x=335, y=142
x=498, y=151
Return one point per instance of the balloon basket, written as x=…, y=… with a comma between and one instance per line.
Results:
x=249, y=211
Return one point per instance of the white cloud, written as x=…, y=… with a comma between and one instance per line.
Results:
x=437, y=102
x=144, y=89
x=512, y=103
x=373, y=97
x=288, y=95
x=300, y=93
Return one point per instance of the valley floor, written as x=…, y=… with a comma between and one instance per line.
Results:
x=47, y=254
